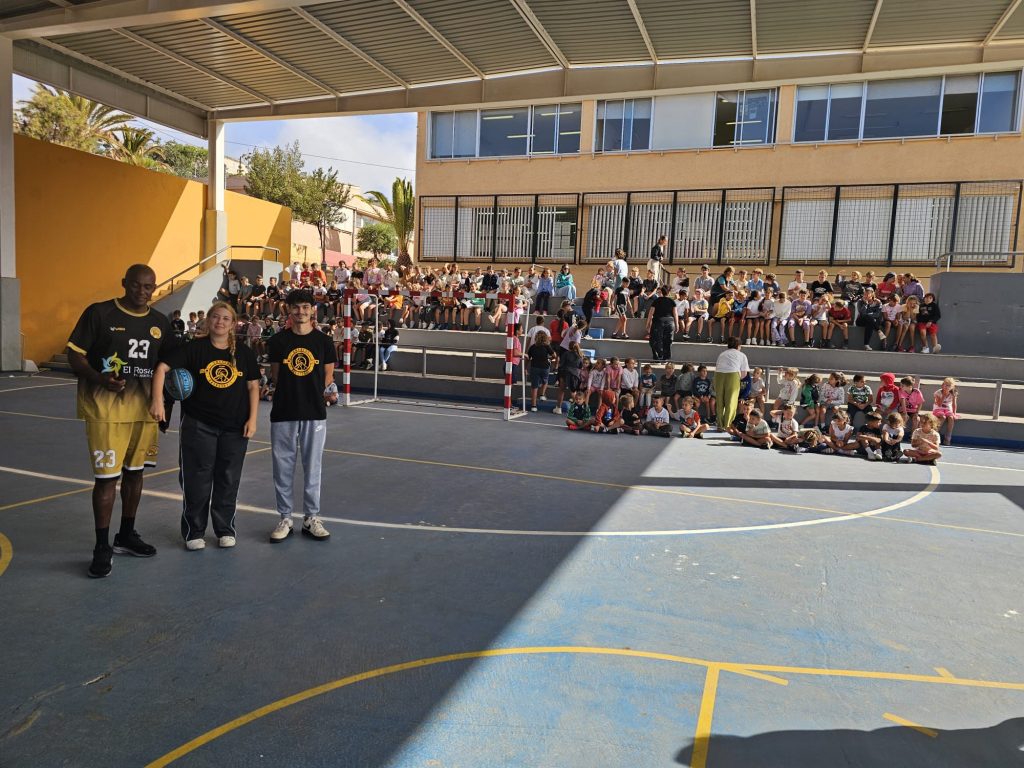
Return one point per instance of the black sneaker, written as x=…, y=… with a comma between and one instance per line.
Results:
x=132, y=544
x=101, y=563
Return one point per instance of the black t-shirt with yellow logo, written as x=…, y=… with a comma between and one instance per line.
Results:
x=127, y=344
x=299, y=389
x=220, y=397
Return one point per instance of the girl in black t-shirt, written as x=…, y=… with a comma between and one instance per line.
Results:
x=218, y=420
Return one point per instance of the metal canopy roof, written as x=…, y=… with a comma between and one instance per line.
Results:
x=184, y=62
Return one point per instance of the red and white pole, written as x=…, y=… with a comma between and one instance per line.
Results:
x=510, y=331
x=346, y=358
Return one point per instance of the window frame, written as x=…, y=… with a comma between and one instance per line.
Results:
x=1018, y=109
x=650, y=127
x=558, y=105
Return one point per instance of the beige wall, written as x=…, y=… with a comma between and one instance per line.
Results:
x=965, y=158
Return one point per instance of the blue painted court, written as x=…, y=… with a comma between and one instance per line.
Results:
x=513, y=594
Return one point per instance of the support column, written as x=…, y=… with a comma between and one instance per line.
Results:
x=10, y=289
x=216, y=221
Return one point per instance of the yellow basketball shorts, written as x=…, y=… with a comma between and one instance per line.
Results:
x=114, y=446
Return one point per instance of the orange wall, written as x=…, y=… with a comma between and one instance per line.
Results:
x=83, y=219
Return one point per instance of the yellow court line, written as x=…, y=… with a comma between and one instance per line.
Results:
x=702, y=737
x=982, y=466
x=41, y=499
x=6, y=553
x=581, y=481
x=930, y=732
x=703, y=721
x=949, y=525
x=756, y=675
x=38, y=416
x=944, y=672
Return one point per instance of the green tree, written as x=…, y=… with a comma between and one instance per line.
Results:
x=136, y=146
x=275, y=175
x=376, y=238
x=400, y=212
x=63, y=118
x=185, y=160
x=320, y=201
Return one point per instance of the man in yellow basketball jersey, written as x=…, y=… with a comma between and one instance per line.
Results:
x=113, y=350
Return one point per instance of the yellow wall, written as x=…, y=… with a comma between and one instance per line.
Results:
x=83, y=219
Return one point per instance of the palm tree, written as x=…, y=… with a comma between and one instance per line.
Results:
x=63, y=118
x=136, y=146
x=400, y=212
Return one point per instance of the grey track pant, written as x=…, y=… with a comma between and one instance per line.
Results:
x=289, y=440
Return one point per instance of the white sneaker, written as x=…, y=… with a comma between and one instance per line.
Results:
x=937, y=348
x=925, y=351
x=799, y=449
x=383, y=366
x=226, y=542
x=867, y=347
x=282, y=530
x=194, y=545
x=876, y=455
x=542, y=397
x=312, y=526
x=905, y=460
x=533, y=408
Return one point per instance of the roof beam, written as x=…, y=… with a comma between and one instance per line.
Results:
x=93, y=17
x=643, y=29
x=111, y=70
x=871, y=26
x=350, y=47
x=753, y=28
x=444, y=41
x=261, y=97
x=538, y=29
x=1002, y=21
x=270, y=56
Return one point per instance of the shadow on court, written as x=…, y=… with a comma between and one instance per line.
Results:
x=998, y=745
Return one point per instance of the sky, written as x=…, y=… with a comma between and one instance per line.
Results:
x=368, y=151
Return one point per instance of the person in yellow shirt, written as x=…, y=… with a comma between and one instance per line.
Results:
x=722, y=314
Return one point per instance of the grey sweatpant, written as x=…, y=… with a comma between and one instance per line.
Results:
x=288, y=440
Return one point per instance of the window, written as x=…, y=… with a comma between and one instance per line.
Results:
x=897, y=108
x=959, y=104
x=452, y=134
x=744, y=117
x=623, y=125
x=811, y=113
x=844, y=111
x=999, y=98
x=556, y=128
x=504, y=132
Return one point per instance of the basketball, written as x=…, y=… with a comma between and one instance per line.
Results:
x=178, y=384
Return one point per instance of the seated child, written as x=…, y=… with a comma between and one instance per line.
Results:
x=579, y=416
x=911, y=400
x=758, y=432
x=607, y=413
x=869, y=437
x=738, y=428
x=702, y=394
x=630, y=421
x=757, y=388
x=647, y=382
x=658, y=419
x=892, y=436
x=789, y=388
x=858, y=399
x=331, y=394
x=690, y=424
x=810, y=401
x=840, y=438
x=788, y=435
x=266, y=388
x=924, y=443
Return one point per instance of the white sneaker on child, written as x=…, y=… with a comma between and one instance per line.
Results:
x=925, y=351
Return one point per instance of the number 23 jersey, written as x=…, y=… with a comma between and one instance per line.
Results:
x=127, y=344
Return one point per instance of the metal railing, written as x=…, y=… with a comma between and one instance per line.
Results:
x=977, y=259
x=214, y=257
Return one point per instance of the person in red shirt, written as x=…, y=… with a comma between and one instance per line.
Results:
x=839, y=318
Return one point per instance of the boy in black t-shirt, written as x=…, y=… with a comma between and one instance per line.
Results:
x=302, y=361
x=869, y=437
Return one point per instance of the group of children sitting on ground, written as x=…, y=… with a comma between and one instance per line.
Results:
x=828, y=416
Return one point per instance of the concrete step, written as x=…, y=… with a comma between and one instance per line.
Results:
x=975, y=397
x=970, y=430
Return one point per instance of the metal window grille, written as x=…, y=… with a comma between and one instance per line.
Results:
x=697, y=221
x=806, y=234
x=747, y=226
x=863, y=221
x=557, y=223
x=650, y=216
x=987, y=218
x=475, y=238
x=514, y=238
x=923, y=222
x=437, y=228
x=604, y=221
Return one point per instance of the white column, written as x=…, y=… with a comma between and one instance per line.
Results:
x=216, y=221
x=10, y=291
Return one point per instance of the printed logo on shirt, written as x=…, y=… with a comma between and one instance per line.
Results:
x=300, y=361
x=112, y=364
x=155, y=332
x=220, y=374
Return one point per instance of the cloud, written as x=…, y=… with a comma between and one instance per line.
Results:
x=369, y=140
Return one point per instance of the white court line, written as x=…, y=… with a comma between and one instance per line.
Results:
x=925, y=492
x=370, y=407
x=982, y=466
x=41, y=386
